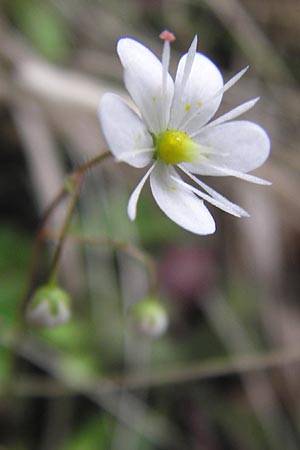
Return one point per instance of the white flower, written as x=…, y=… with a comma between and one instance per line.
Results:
x=174, y=135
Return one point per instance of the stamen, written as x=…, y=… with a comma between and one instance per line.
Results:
x=213, y=201
x=240, y=212
x=235, y=173
x=132, y=204
x=180, y=84
x=221, y=91
x=232, y=114
x=189, y=63
x=232, y=81
x=167, y=37
x=165, y=65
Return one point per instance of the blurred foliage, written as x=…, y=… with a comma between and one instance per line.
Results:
x=96, y=434
x=14, y=256
x=249, y=430
x=43, y=26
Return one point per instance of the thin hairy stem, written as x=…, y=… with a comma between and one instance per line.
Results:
x=75, y=177
x=64, y=230
x=130, y=249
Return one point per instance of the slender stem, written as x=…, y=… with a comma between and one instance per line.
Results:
x=130, y=249
x=207, y=369
x=63, y=232
x=38, y=245
x=91, y=163
x=55, y=202
x=40, y=235
x=75, y=179
x=196, y=371
x=144, y=258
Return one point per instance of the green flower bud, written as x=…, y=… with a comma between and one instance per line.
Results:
x=49, y=307
x=150, y=317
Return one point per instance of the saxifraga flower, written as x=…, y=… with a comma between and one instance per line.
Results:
x=174, y=135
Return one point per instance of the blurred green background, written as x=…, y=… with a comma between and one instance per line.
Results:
x=226, y=373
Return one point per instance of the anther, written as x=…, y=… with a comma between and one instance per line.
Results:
x=167, y=35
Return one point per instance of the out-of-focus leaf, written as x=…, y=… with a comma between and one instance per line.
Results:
x=43, y=26
x=73, y=337
x=248, y=433
x=5, y=365
x=14, y=251
x=14, y=257
x=93, y=435
x=244, y=298
x=80, y=368
x=97, y=435
x=78, y=360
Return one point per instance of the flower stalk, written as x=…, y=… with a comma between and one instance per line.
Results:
x=130, y=249
x=76, y=181
x=72, y=186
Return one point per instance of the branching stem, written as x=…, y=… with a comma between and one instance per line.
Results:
x=73, y=186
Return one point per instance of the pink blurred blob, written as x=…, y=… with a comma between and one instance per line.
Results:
x=188, y=273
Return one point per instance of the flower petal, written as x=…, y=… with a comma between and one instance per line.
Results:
x=178, y=203
x=143, y=78
x=230, y=115
x=132, y=204
x=189, y=61
x=125, y=133
x=239, y=146
x=226, y=204
x=195, y=103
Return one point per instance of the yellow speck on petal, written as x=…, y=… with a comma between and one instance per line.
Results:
x=199, y=103
x=187, y=107
x=173, y=188
x=154, y=98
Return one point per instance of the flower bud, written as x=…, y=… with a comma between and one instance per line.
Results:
x=49, y=307
x=150, y=317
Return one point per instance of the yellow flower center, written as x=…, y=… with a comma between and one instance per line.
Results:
x=174, y=147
